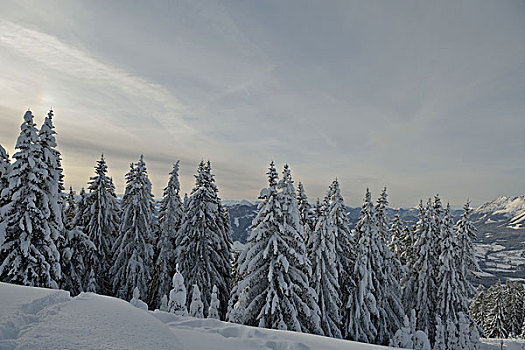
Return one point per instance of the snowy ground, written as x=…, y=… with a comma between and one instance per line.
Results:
x=37, y=318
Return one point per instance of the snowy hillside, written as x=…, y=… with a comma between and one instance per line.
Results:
x=37, y=318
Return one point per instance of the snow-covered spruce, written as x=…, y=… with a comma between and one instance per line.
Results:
x=421, y=288
x=273, y=266
x=496, y=323
x=466, y=234
x=29, y=254
x=196, y=305
x=203, y=243
x=514, y=294
x=345, y=251
x=100, y=220
x=177, y=301
x=213, y=310
x=363, y=312
x=71, y=209
x=325, y=278
x=133, y=249
x=4, y=189
x=75, y=248
x=170, y=216
x=305, y=212
x=135, y=300
x=386, y=267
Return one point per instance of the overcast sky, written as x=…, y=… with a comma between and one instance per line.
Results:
x=422, y=97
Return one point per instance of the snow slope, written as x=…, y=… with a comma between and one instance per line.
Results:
x=37, y=318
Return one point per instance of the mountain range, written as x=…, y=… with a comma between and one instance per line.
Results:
x=500, y=224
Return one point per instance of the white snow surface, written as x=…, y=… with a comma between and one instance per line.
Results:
x=37, y=318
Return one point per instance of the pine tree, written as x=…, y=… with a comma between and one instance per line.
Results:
x=135, y=300
x=451, y=297
x=325, y=278
x=345, y=251
x=440, y=338
x=514, y=307
x=478, y=308
x=386, y=267
x=363, y=325
x=274, y=264
x=196, y=305
x=70, y=211
x=133, y=249
x=421, y=287
x=305, y=212
x=75, y=249
x=203, y=243
x=213, y=310
x=29, y=253
x=177, y=302
x=466, y=234
x=170, y=216
x=495, y=327
x=4, y=189
x=100, y=220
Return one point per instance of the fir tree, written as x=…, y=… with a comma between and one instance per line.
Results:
x=133, y=249
x=4, y=189
x=466, y=234
x=495, y=327
x=203, y=243
x=397, y=244
x=363, y=325
x=451, y=334
x=177, y=302
x=196, y=305
x=514, y=307
x=100, y=220
x=213, y=310
x=275, y=284
x=325, y=278
x=71, y=209
x=135, y=300
x=345, y=250
x=75, y=249
x=440, y=338
x=403, y=337
x=170, y=216
x=451, y=297
x=421, y=287
x=29, y=253
x=305, y=212
x=478, y=308
x=386, y=267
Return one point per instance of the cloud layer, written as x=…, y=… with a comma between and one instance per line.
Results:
x=422, y=98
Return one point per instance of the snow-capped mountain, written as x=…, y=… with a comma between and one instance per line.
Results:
x=505, y=211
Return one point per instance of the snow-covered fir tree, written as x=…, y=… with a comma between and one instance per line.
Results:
x=387, y=267
x=403, y=337
x=478, y=307
x=133, y=249
x=440, y=335
x=305, y=211
x=463, y=327
x=71, y=208
x=397, y=244
x=466, y=234
x=177, y=302
x=421, y=288
x=5, y=163
x=325, y=278
x=514, y=296
x=75, y=248
x=29, y=254
x=213, y=310
x=451, y=296
x=135, y=300
x=170, y=216
x=344, y=248
x=364, y=314
x=100, y=220
x=496, y=323
x=196, y=305
x=274, y=264
x=164, y=303
x=452, y=340
x=203, y=243
x=54, y=181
